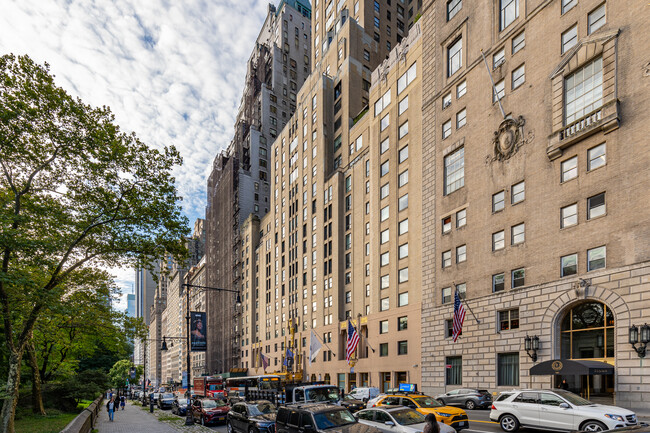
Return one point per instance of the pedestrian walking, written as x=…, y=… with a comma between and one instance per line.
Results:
x=122, y=402
x=110, y=407
x=431, y=425
x=564, y=385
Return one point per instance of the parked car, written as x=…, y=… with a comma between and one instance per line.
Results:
x=556, y=410
x=209, y=411
x=179, y=406
x=318, y=418
x=165, y=400
x=155, y=396
x=398, y=419
x=452, y=416
x=469, y=398
x=352, y=404
x=254, y=416
x=364, y=393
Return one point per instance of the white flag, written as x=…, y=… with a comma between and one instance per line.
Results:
x=314, y=346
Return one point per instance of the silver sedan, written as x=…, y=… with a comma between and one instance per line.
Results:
x=397, y=419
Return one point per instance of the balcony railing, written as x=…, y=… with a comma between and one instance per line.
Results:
x=586, y=121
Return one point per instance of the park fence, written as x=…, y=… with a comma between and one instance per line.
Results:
x=87, y=419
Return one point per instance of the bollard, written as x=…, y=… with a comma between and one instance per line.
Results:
x=151, y=405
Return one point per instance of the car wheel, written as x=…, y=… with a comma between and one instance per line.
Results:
x=509, y=423
x=253, y=430
x=229, y=427
x=202, y=420
x=593, y=426
x=469, y=404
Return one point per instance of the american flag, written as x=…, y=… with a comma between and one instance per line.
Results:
x=353, y=341
x=459, y=316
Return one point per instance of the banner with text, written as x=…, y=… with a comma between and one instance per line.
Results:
x=197, y=333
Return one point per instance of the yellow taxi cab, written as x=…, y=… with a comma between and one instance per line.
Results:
x=452, y=416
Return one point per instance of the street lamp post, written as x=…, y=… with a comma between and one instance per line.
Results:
x=189, y=420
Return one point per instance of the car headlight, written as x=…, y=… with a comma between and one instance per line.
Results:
x=446, y=415
x=615, y=417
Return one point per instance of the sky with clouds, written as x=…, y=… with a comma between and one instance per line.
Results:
x=172, y=71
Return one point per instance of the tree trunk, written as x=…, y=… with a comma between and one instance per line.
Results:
x=11, y=393
x=37, y=396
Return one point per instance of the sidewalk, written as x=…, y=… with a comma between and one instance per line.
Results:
x=136, y=419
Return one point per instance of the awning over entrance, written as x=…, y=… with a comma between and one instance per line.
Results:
x=568, y=367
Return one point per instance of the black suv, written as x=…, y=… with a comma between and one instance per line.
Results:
x=318, y=418
x=253, y=416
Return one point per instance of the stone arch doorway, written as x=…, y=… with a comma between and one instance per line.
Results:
x=587, y=332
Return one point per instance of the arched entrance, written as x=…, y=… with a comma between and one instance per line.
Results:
x=587, y=333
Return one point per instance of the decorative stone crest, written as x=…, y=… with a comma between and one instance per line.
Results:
x=508, y=138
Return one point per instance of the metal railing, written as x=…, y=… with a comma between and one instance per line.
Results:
x=590, y=119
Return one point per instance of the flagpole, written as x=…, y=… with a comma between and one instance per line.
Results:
x=494, y=89
x=464, y=301
x=326, y=345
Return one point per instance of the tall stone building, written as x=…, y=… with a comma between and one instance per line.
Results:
x=535, y=212
x=238, y=185
x=145, y=288
x=340, y=185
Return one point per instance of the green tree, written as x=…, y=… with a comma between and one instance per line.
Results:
x=75, y=192
x=120, y=372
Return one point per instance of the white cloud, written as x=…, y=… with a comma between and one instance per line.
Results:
x=171, y=71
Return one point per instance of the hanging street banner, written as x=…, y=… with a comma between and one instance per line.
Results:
x=198, y=327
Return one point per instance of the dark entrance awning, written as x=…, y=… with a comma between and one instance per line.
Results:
x=568, y=367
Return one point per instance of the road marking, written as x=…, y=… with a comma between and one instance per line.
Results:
x=487, y=422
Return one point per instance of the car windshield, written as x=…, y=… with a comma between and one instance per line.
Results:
x=407, y=416
x=348, y=397
x=262, y=408
x=333, y=418
x=215, y=387
x=167, y=395
x=426, y=402
x=208, y=404
x=323, y=394
x=573, y=398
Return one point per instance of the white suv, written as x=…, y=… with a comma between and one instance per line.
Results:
x=556, y=410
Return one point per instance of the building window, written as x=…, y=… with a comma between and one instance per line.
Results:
x=403, y=202
x=402, y=348
x=462, y=290
x=498, y=282
x=384, y=236
x=461, y=218
x=461, y=89
x=453, y=7
x=446, y=259
x=518, y=277
x=583, y=91
x=498, y=201
x=569, y=265
x=366, y=55
x=406, y=78
x=518, y=192
x=569, y=169
x=518, y=76
x=446, y=225
x=446, y=295
x=509, y=319
x=509, y=12
x=384, y=259
x=446, y=101
x=569, y=38
x=385, y=121
x=403, y=251
x=518, y=42
x=384, y=282
x=403, y=105
x=348, y=297
x=569, y=215
x=383, y=214
x=403, y=178
x=383, y=169
x=596, y=258
x=449, y=328
x=499, y=58
x=453, y=370
x=383, y=327
x=498, y=241
x=596, y=19
x=383, y=349
x=461, y=253
x=446, y=129
x=403, y=227
x=385, y=304
x=403, y=299
x=403, y=275
x=402, y=323
x=499, y=91
x=596, y=157
x=596, y=206
x=518, y=234
x=377, y=22
x=403, y=129
x=461, y=118
x=508, y=369
x=454, y=171
x=454, y=57
x=384, y=191
x=568, y=4
x=403, y=154
x=384, y=145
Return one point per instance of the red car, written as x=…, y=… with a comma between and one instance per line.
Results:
x=209, y=411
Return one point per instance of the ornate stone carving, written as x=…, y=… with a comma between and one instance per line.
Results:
x=508, y=138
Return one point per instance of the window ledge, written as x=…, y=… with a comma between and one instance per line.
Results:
x=606, y=118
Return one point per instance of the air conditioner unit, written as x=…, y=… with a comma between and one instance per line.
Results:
x=499, y=63
x=447, y=104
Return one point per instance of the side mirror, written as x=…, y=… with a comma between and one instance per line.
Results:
x=565, y=406
x=390, y=423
